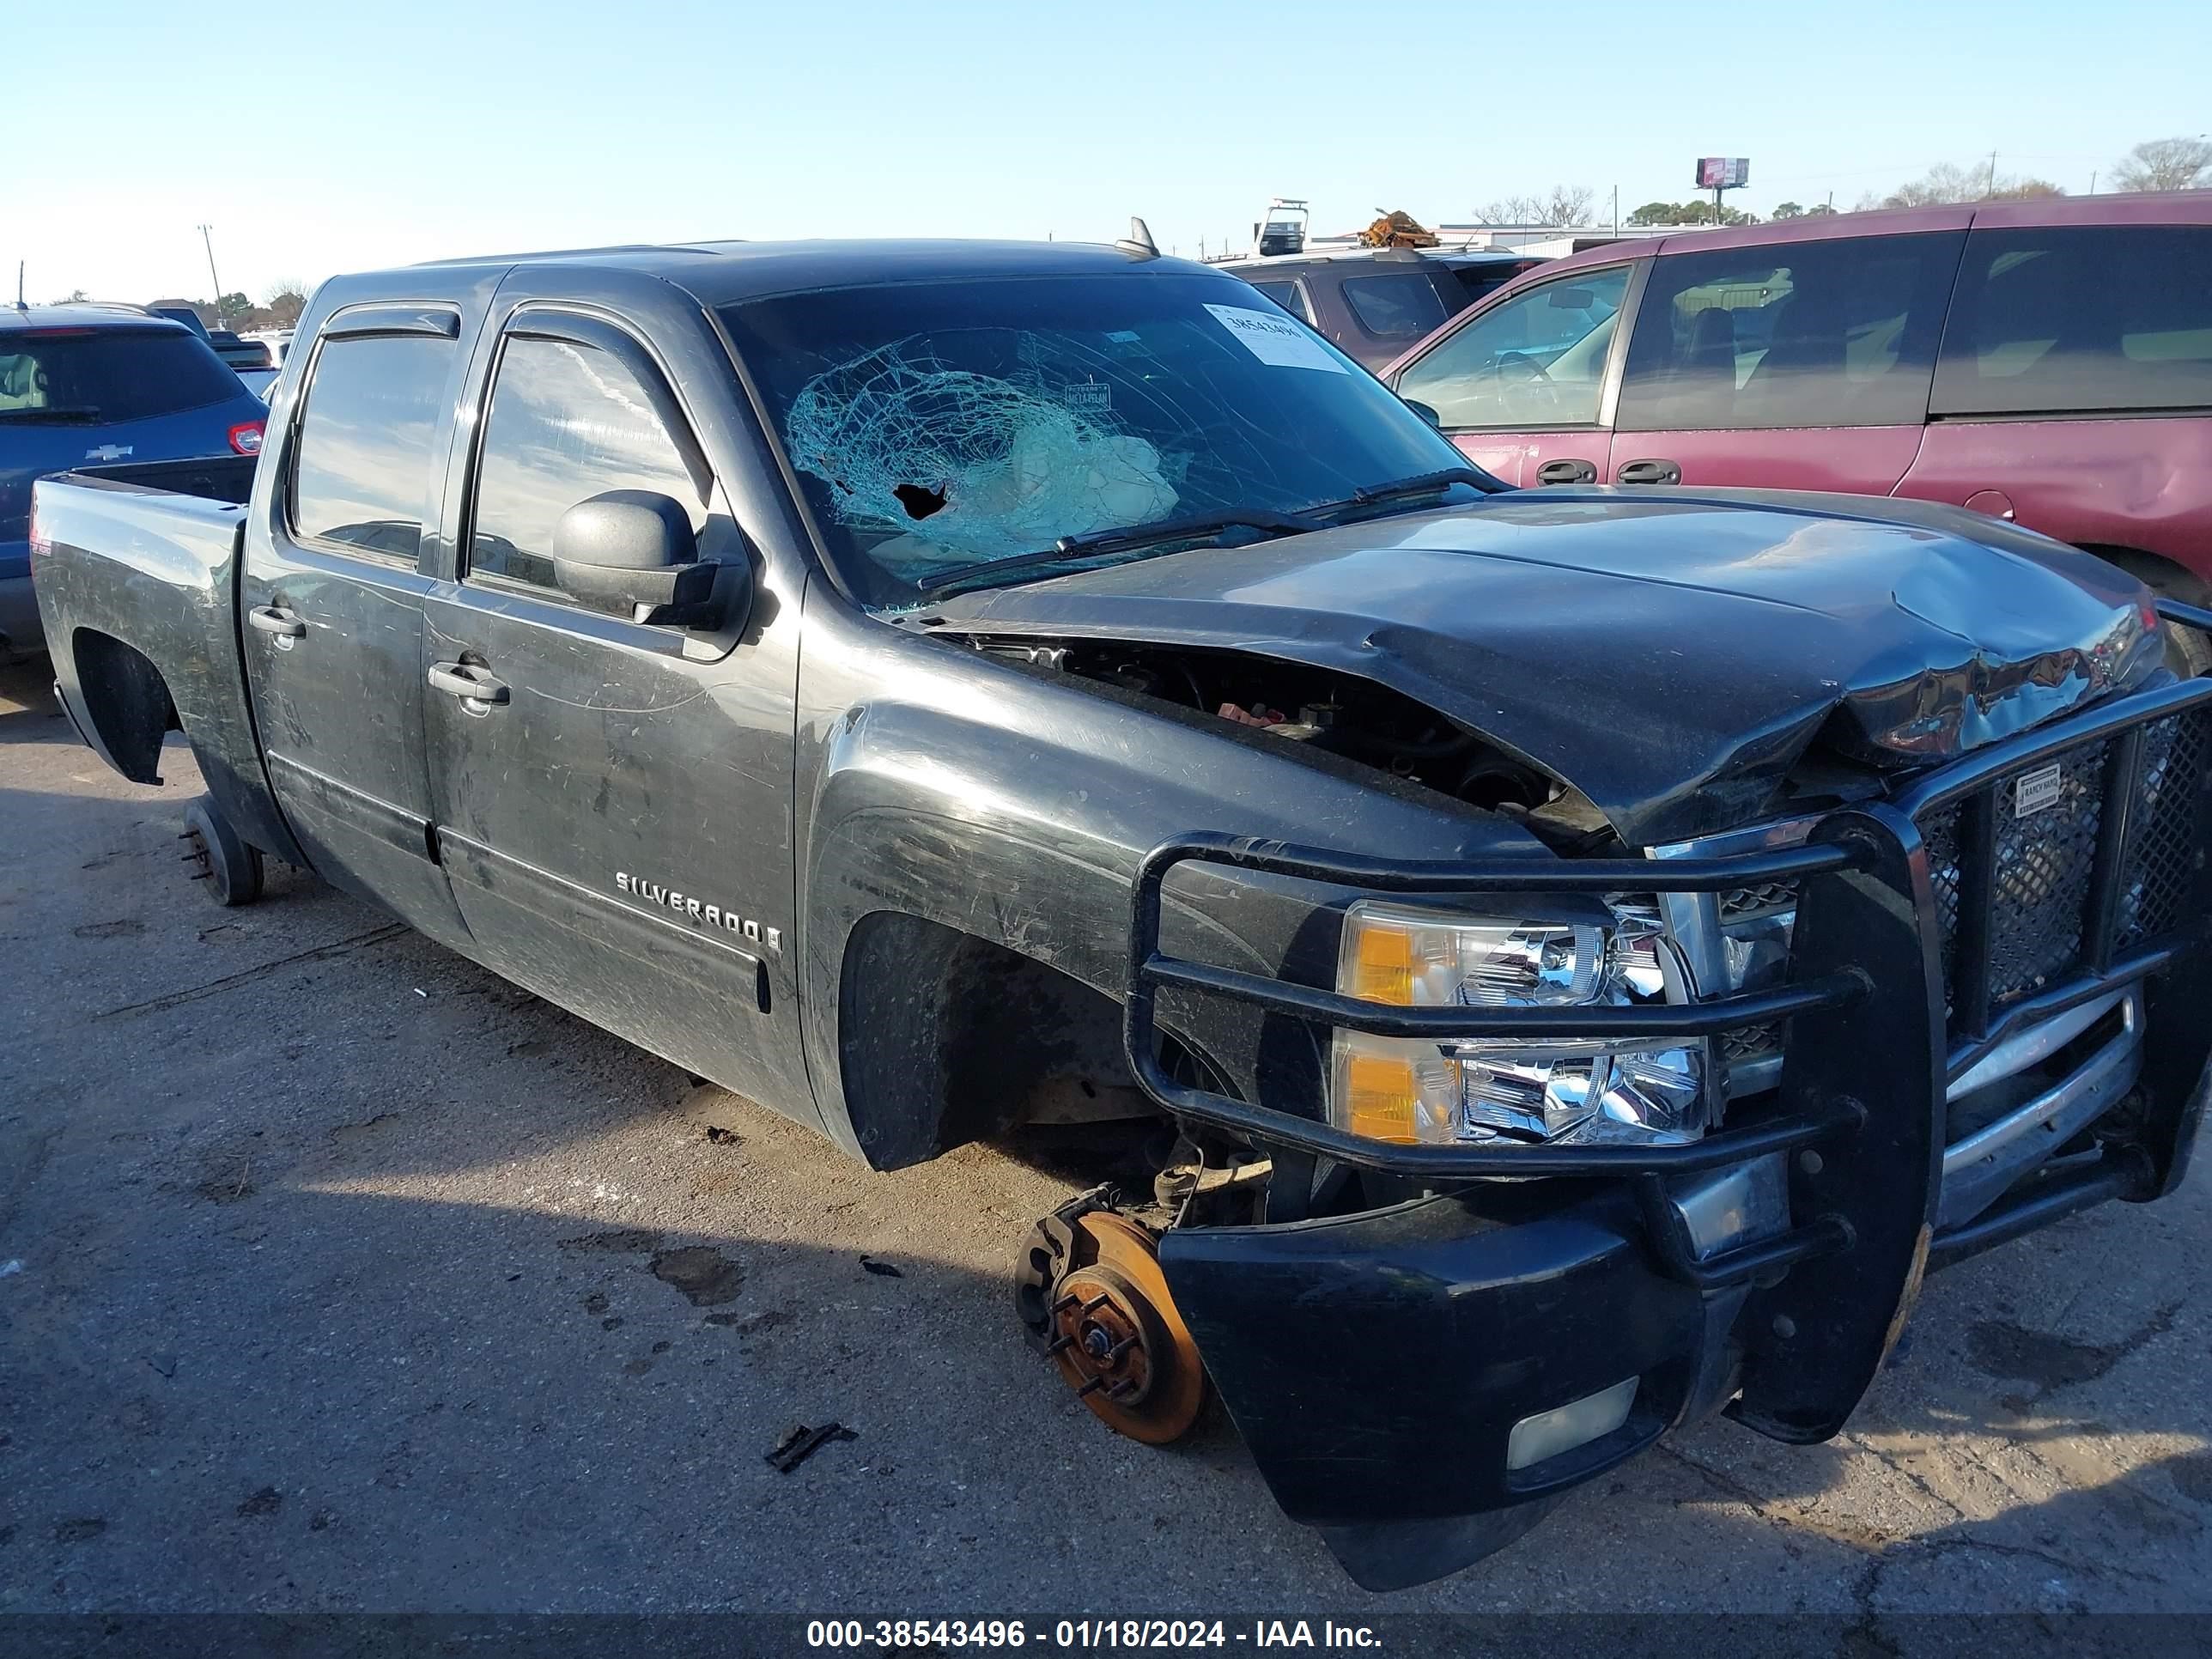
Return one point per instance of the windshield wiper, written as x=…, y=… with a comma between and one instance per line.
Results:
x=58, y=416
x=1127, y=539
x=1422, y=484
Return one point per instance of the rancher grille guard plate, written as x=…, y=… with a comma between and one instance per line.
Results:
x=1860, y=1105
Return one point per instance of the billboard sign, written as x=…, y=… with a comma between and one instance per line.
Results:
x=1723, y=171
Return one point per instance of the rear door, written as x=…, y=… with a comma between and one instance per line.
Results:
x=1522, y=386
x=333, y=595
x=1796, y=365
x=2073, y=386
x=613, y=796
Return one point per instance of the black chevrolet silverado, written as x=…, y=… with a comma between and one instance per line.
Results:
x=1551, y=966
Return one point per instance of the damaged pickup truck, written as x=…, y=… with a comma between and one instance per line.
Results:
x=1549, y=965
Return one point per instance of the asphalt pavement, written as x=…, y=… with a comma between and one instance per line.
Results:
x=337, y=1275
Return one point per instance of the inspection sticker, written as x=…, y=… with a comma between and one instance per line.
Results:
x=2035, y=791
x=1276, y=339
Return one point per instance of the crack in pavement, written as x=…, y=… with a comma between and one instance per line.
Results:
x=1912, y=1478
x=246, y=976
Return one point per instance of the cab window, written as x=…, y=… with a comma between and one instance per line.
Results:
x=362, y=466
x=1805, y=334
x=2089, y=319
x=1403, y=306
x=567, y=421
x=1536, y=360
x=1290, y=297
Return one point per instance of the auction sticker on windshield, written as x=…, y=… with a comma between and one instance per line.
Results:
x=1276, y=340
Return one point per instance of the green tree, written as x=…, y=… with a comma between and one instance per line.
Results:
x=1788, y=210
x=1695, y=212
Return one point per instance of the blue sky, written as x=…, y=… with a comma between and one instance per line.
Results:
x=345, y=137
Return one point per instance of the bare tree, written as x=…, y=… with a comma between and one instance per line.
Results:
x=2166, y=164
x=1508, y=211
x=1561, y=204
x=284, y=302
x=1567, y=204
x=1947, y=182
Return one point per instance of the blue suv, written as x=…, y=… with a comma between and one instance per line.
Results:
x=81, y=385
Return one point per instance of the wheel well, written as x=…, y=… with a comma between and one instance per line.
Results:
x=945, y=1038
x=2155, y=571
x=127, y=700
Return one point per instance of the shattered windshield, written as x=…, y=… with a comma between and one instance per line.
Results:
x=939, y=426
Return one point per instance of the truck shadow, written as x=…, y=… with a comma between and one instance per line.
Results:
x=506, y=1314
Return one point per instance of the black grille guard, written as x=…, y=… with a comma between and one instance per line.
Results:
x=1865, y=1064
x=1865, y=902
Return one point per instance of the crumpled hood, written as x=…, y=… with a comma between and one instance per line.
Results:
x=1671, y=656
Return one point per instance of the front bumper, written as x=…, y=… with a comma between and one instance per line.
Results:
x=1378, y=1364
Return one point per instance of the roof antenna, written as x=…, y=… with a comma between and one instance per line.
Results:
x=19, y=306
x=1138, y=244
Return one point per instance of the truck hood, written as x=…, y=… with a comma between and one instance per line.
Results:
x=1671, y=656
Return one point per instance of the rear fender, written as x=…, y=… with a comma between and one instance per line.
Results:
x=137, y=590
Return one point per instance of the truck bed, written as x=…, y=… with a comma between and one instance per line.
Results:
x=136, y=568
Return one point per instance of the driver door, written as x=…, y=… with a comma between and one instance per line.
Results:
x=1525, y=387
x=612, y=791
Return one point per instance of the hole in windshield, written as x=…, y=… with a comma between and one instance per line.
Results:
x=919, y=500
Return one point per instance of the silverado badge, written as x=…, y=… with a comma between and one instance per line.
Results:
x=706, y=915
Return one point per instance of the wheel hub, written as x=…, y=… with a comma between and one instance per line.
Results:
x=198, y=856
x=1096, y=1303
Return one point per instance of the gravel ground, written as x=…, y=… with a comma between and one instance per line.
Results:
x=336, y=1275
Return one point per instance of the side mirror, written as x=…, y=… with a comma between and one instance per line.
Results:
x=631, y=554
x=1424, y=412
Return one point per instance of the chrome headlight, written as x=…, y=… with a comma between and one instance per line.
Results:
x=1454, y=1092
x=1738, y=941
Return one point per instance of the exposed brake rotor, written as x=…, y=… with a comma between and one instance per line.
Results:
x=1091, y=1294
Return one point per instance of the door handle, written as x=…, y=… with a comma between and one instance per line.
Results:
x=1566, y=472
x=1648, y=472
x=472, y=683
x=276, y=619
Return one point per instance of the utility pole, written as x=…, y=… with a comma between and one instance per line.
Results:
x=1992, y=189
x=209, y=243
x=1616, y=209
x=2092, y=184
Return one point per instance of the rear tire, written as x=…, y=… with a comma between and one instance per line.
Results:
x=231, y=868
x=2188, y=652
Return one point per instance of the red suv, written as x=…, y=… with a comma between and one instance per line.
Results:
x=2047, y=362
